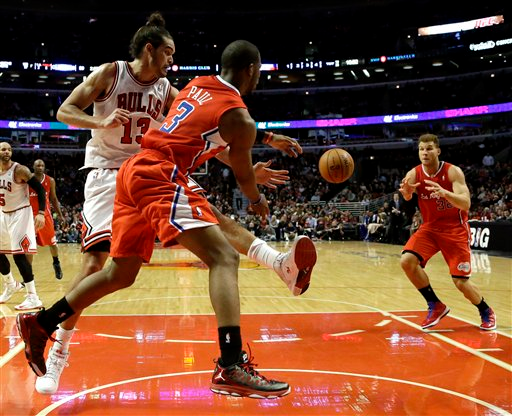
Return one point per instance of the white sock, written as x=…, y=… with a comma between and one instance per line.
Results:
x=31, y=288
x=8, y=278
x=64, y=336
x=262, y=253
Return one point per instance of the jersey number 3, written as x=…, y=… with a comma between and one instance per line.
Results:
x=184, y=109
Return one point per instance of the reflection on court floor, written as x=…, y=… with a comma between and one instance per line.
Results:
x=369, y=363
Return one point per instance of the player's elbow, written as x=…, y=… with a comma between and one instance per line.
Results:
x=59, y=116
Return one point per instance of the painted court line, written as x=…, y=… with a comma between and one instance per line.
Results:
x=459, y=345
x=83, y=393
x=113, y=336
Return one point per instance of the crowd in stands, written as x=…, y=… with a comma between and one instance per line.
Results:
x=307, y=204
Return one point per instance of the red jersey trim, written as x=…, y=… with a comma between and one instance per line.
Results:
x=113, y=87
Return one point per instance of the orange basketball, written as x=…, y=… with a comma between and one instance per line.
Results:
x=336, y=165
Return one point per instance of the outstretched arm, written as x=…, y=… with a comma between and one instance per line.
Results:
x=280, y=142
x=239, y=130
x=263, y=174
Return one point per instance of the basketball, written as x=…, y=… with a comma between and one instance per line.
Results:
x=336, y=165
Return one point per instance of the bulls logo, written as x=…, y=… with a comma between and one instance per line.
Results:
x=25, y=244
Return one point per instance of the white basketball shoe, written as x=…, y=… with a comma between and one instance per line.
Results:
x=55, y=363
x=295, y=266
x=10, y=289
x=31, y=301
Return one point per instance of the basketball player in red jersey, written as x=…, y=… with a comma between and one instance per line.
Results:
x=154, y=197
x=46, y=235
x=444, y=201
x=128, y=98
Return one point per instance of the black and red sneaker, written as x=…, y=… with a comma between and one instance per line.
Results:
x=35, y=338
x=242, y=380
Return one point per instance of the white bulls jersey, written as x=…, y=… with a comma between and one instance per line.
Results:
x=109, y=148
x=13, y=196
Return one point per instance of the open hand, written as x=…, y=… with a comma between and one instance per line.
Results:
x=288, y=145
x=269, y=177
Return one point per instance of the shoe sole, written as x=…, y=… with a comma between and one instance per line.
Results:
x=46, y=392
x=490, y=328
x=242, y=392
x=430, y=325
x=29, y=309
x=23, y=330
x=305, y=258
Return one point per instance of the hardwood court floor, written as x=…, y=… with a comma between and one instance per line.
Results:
x=351, y=345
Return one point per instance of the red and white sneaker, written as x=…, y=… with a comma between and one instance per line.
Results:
x=295, y=266
x=488, y=320
x=436, y=311
x=35, y=338
x=242, y=380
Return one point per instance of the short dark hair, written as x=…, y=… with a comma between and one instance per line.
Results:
x=153, y=32
x=239, y=55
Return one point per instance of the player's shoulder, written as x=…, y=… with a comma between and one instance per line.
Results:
x=412, y=172
x=105, y=71
x=22, y=171
x=454, y=170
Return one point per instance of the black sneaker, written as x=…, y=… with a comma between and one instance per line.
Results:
x=242, y=380
x=58, y=271
x=35, y=338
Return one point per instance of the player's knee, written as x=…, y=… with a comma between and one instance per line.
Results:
x=233, y=257
x=225, y=257
x=92, y=267
x=408, y=262
x=122, y=280
x=460, y=282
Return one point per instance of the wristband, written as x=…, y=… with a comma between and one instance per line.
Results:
x=40, y=212
x=268, y=137
x=264, y=136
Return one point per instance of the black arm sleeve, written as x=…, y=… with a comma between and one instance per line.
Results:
x=41, y=193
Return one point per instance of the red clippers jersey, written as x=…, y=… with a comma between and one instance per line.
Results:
x=202, y=102
x=33, y=196
x=435, y=211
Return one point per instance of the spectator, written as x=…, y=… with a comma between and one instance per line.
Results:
x=488, y=160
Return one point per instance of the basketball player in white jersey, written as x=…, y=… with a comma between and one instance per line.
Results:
x=18, y=227
x=128, y=98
